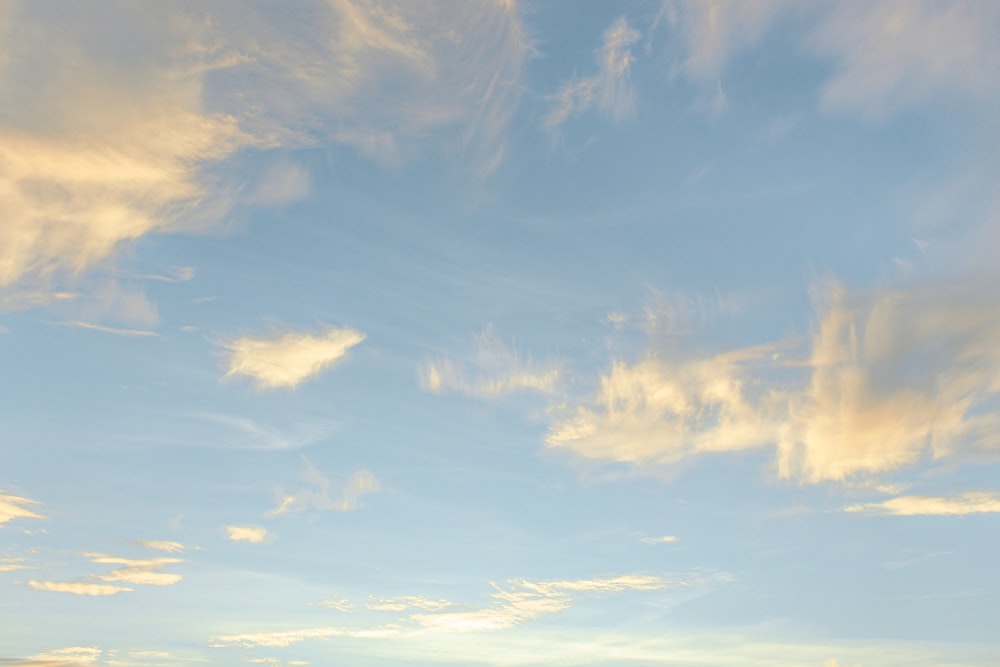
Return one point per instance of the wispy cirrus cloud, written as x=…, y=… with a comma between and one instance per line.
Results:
x=524, y=600
x=972, y=502
x=10, y=564
x=251, y=534
x=288, y=359
x=323, y=495
x=76, y=655
x=498, y=369
x=283, y=638
x=16, y=507
x=610, y=90
x=404, y=602
x=664, y=539
x=138, y=151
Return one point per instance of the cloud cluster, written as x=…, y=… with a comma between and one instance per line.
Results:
x=287, y=360
x=498, y=369
x=134, y=571
x=611, y=89
x=886, y=380
x=101, y=144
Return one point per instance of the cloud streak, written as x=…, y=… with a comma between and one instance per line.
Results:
x=320, y=495
x=973, y=502
x=251, y=534
x=610, y=90
x=287, y=360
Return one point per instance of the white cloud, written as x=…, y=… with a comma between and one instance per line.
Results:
x=84, y=655
x=137, y=571
x=77, y=588
x=162, y=545
x=131, y=333
x=895, y=378
x=99, y=148
x=660, y=411
x=665, y=539
x=251, y=534
x=498, y=369
x=290, y=358
x=283, y=638
x=321, y=497
x=893, y=54
x=404, y=602
x=974, y=502
x=15, y=507
x=524, y=600
x=341, y=604
x=611, y=89
x=9, y=564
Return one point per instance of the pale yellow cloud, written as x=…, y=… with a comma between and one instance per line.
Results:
x=16, y=507
x=321, y=495
x=498, y=369
x=892, y=54
x=660, y=411
x=524, y=600
x=895, y=379
x=9, y=564
x=77, y=588
x=404, y=602
x=131, y=333
x=288, y=359
x=340, y=604
x=138, y=571
x=610, y=90
x=665, y=539
x=283, y=638
x=162, y=545
x=251, y=534
x=973, y=502
x=84, y=655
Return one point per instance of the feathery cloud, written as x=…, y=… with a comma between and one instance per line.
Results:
x=15, y=507
x=82, y=655
x=251, y=534
x=320, y=495
x=611, y=89
x=283, y=638
x=9, y=564
x=285, y=361
x=973, y=502
x=659, y=412
x=162, y=545
x=524, y=600
x=498, y=369
x=666, y=539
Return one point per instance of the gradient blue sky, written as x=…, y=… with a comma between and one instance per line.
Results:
x=499, y=333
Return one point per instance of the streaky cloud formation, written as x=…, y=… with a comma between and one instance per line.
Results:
x=132, y=333
x=16, y=507
x=162, y=545
x=288, y=359
x=404, y=602
x=498, y=369
x=251, y=534
x=524, y=600
x=137, y=571
x=610, y=89
x=283, y=638
x=78, y=588
x=71, y=655
x=972, y=502
x=321, y=497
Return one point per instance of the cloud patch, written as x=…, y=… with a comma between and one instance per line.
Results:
x=16, y=507
x=288, y=359
x=78, y=588
x=251, y=534
x=973, y=502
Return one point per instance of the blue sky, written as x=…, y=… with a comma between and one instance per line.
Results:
x=499, y=333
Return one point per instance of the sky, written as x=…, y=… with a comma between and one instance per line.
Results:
x=499, y=334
